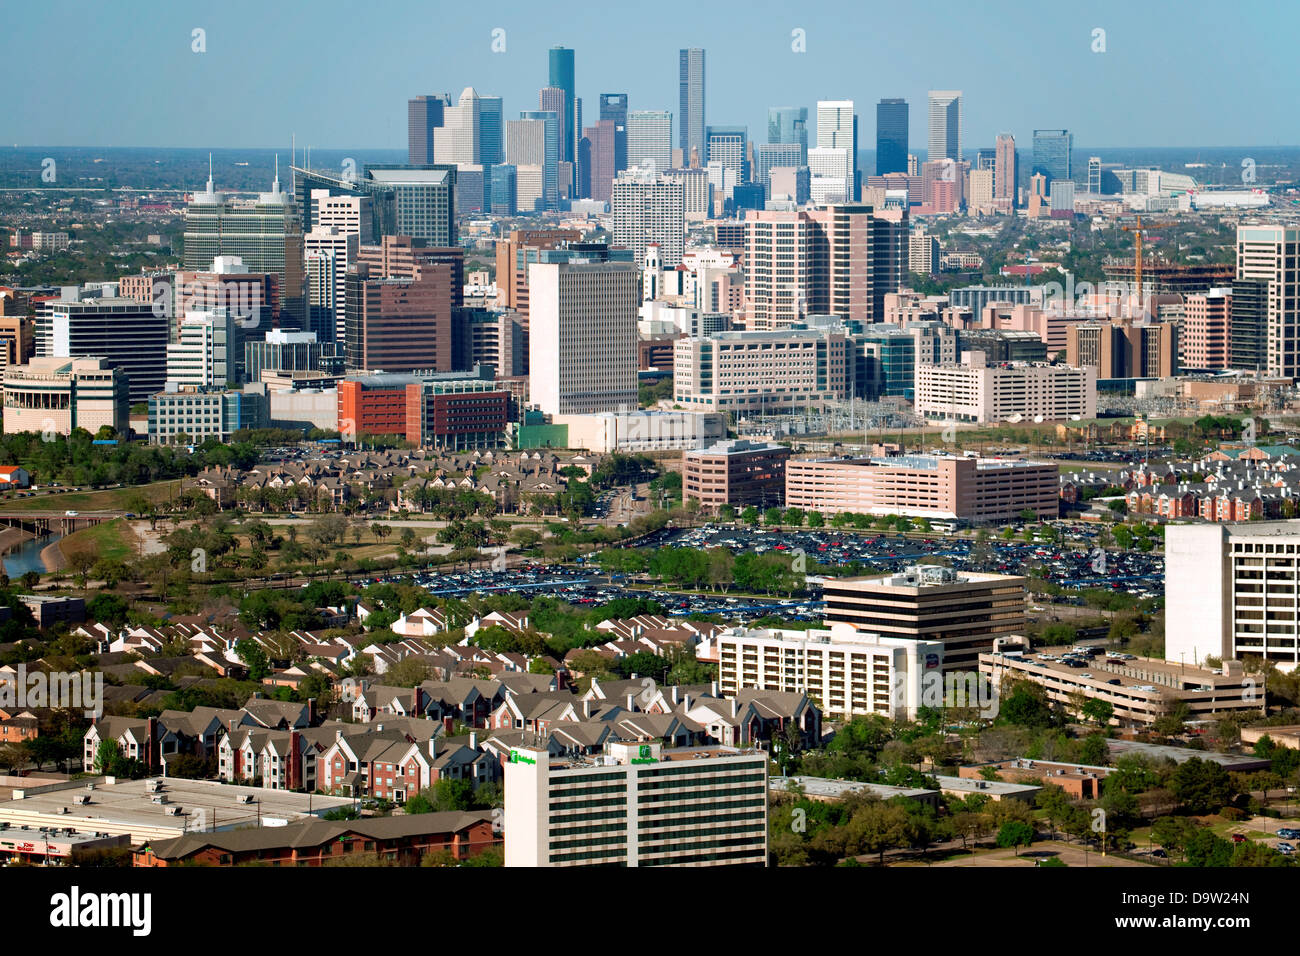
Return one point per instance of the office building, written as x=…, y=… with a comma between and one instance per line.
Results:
x=974, y=391
x=1052, y=154
x=788, y=126
x=1271, y=253
x=598, y=163
x=424, y=200
x=327, y=254
x=613, y=107
x=701, y=806
x=208, y=352
x=891, y=136
x=125, y=333
x=980, y=195
x=423, y=116
x=789, y=184
x=650, y=209
x=503, y=190
x=491, y=131
x=698, y=190
x=945, y=125
x=1248, y=327
x=976, y=490
x=769, y=156
x=59, y=395
x=761, y=372
x=196, y=415
x=456, y=141
x=1094, y=176
x=399, y=298
x=1204, y=333
x=291, y=352
x=582, y=335
x=1121, y=348
x=964, y=611
x=351, y=215
x=554, y=99
x=1006, y=172
x=1003, y=345
x=537, y=144
x=266, y=234
x=649, y=139
x=922, y=252
x=1230, y=592
x=850, y=672
x=728, y=147
x=837, y=129
x=226, y=284
x=737, y=472
x=690, y=112
x=561, y=77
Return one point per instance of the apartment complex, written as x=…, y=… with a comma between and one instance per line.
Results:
x=964, y=611
x=650, y=209
x=636, y=804
x=975, y=391
x=57, y=395
x=1230, y=591
x=738, y=472
x=849, y=671
x=761, y=371
x=979, y=490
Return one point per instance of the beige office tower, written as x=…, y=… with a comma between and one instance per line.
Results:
x=650, y=208
x=582, y=337
x=963, y=610
x=1272, y=253
x=456, y=141
x=350, y=215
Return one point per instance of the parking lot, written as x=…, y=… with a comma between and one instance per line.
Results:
x=1131, y=572
x=589, y=589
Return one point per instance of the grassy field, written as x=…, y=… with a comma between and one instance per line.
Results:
x=112, y=499
x=113, y=540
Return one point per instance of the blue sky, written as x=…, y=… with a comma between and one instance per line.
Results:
x=338, y=72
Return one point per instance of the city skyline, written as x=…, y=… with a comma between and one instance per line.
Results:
x=756, y=68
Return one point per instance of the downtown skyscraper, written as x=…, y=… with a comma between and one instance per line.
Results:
x=945, y=125
x=690, y=116
x=891, y=136
x=1052, y=149
x=561, y=77
x=788, y=124
x=423, y=116
x=1006, y=172
x=613, y=107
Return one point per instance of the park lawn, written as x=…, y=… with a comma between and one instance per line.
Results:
x=112, y=540
x=111, y=499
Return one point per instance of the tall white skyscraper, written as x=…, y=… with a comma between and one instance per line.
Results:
x=650, y=137
x=830, y=175
x=582, y=336
x=456, y=141
x=328, y=252
x=945, y=125
x=650, y=208
x=837, y=129
x=1271, y=253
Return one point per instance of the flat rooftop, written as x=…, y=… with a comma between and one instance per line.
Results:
x=126, y=806
x=712, y=752
x=969, y=785
x=1238, y=762
x=826, y=787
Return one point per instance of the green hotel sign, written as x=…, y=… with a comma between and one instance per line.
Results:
x=644, y=755
x=517, y=757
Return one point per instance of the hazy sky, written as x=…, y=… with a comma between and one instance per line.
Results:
x=338, y=72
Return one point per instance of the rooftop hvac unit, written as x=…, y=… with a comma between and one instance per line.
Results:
x=159, y=798
x=244, y=798
x=90, y=786
x=81, y=798
x=63, y=810
x=173, y=811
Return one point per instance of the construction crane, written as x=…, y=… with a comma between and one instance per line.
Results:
x=1138, y=232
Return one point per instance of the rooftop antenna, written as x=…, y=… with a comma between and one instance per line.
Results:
x=209, y=172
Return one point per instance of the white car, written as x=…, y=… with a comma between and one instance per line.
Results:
x=69, y=514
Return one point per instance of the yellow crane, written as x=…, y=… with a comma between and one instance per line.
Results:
x=1138, y=232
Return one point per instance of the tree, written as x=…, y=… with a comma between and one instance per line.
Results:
x=749, y=516
x=254, y=658
x=1015, y=834
x=1202, y=786
x=1099, y=711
